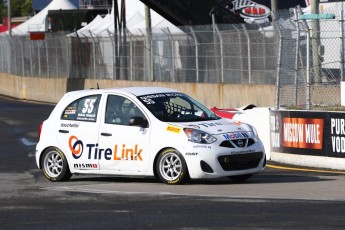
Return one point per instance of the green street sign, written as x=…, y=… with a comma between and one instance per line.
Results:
x=316, y=16
x=325, y=1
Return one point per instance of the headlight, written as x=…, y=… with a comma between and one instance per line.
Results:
x=254, y=130
x=198, y=136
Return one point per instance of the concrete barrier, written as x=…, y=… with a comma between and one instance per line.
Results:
x=309, y=161
x=259, y=117
x=219, y=95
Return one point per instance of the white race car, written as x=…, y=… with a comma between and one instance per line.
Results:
x=145, y=131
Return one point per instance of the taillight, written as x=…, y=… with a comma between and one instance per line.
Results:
x=39, y=130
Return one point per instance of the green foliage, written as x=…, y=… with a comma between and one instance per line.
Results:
x=26, y=8
x=3, y=10
x=19, y=8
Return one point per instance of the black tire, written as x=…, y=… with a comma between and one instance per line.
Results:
x=54, y=165
x=240, y=178
x=171, y=167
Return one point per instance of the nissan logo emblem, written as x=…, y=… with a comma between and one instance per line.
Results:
x=240, y=143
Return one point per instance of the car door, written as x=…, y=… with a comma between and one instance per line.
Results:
x=78, y=132
x=124, y=148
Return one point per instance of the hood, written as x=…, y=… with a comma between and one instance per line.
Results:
x=216, y=126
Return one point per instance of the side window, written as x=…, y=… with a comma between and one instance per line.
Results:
x=120, y=110
x=83, y=109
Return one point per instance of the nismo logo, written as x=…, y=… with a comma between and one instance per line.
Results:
x=116, y=153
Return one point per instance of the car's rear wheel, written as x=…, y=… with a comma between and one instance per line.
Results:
x=171, y=167
x=240, y=178
x=55, y=166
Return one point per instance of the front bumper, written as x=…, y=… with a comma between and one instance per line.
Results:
x=216, y=161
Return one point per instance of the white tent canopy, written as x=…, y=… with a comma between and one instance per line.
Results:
x=39, y=21
x=135, y=22
x=91, y=26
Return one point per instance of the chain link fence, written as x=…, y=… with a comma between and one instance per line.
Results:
x=304, y=60
x=311, y=62
x=238, y=54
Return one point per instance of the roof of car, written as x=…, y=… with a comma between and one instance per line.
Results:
x=137, y=91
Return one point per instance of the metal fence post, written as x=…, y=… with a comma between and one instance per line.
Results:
x=148, y=42
x=249, y=55
x=241, y=50
x=131, y=54
x=15, y=70
x=113, y=50
x=23, y=66
x=196, y=54
x=30, y=53
x=2, y=54
x=39, y=59
x=10, y=54
x=221, y=54
x=278, y=66
x=342, y=42
x=296, y=56
x=216, y=53
x=56, y=58
x=94, y=56
x=67, y=42
x=47, y=54
x=158, y=55
x=172, y=55
x=144, y=56
x=308, y=69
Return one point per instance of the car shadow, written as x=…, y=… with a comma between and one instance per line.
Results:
x=261, y=178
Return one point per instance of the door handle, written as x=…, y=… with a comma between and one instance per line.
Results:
x=63, y=131
x=106, y=134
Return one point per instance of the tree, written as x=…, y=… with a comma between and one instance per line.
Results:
x=3, y=11
x=19, y=8
x=26, y=9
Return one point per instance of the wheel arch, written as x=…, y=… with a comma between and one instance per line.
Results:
x=45, y=149
x=156, y=158
x=41, y=156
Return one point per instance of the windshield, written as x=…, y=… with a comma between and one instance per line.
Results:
x=176, y=107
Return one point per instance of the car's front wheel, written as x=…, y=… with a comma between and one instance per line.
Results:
x=55, y=166
x=171, y=167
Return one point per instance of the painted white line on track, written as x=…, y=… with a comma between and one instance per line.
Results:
x=97, y=191
x=247, y=199
x=31, y=155
x=27, y=142
x=306, y=169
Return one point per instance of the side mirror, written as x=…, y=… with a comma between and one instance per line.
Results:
x=138, y=121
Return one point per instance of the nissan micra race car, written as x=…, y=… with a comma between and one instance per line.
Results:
x=145, y=131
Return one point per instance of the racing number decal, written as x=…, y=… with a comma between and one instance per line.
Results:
x=87, y=108
x=89, y=105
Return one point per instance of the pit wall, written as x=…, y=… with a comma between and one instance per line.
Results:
x=219, y=95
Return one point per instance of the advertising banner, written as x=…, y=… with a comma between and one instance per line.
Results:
x=308, y=133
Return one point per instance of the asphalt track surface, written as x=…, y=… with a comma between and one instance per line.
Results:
x=279, y=198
